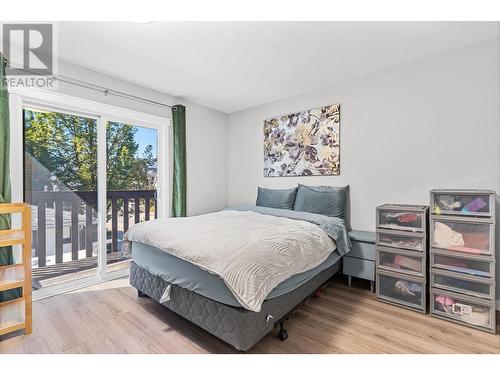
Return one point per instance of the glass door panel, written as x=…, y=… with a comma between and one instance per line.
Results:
x=60, y=184
x=131, y=179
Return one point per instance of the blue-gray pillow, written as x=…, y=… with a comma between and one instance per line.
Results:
x=273, y=198
x=325, y=200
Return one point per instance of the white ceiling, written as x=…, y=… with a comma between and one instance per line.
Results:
x=236, y=65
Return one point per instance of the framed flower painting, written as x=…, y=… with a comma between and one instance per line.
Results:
x=303, y=144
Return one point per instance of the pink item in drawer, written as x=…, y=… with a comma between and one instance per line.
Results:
x=408, y=263
x=445, y=301
x=465, y=249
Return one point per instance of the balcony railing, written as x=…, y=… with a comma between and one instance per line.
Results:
x=72, y=217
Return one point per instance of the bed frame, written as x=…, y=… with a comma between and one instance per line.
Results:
x=237, y=326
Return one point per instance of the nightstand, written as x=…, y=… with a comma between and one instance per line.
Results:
x=360, y=261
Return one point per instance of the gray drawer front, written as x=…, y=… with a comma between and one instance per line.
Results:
x=480, y=287
x=441, y=201
x=477, y=234
x=469, y=265
x=482, y=315
x=362, y=250
x=364, y=269
x=401, y=261
x=410, y=293
x=401, y=218
x=401, y=240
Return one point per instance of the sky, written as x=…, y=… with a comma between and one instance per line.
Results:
x=145, y=137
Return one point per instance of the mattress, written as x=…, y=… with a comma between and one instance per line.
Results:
x=188, y=276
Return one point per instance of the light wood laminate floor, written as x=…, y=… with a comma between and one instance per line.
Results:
x=109, y=318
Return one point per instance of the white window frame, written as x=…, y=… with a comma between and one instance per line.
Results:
x=23, y=97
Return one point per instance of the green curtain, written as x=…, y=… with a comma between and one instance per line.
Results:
x=179, y=178
x=6, y=256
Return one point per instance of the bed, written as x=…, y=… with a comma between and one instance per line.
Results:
x=239, y=272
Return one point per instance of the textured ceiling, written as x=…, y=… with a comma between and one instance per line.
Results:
x=231, y=66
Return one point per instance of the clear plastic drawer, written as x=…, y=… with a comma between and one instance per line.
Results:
x=401, y=289
x=463, y=235
x=408, y=262
x=467, y=265
x=464, y=203
x=474, y=286
x=400, y=240
x=401, y=219
x=467, y=310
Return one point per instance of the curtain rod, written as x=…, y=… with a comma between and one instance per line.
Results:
x=92, y=86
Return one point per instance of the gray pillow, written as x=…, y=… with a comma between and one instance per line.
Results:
x=273, y=198
x=325, y=200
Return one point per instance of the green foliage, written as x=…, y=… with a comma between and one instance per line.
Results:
x=66, y=147
x=125, y=169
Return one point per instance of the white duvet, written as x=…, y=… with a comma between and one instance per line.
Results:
x=251, y=252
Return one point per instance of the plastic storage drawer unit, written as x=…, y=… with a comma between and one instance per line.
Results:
x=462, y=257
x=401, y=261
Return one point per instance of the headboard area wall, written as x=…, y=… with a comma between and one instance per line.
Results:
x=431, y=123
x=428, y=124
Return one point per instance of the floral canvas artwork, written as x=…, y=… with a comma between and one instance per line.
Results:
x=303, y=144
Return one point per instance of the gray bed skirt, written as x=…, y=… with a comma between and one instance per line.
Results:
x=237, y=326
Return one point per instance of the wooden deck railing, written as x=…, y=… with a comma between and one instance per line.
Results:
x=84, y=203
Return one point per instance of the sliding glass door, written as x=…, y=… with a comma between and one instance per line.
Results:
x=88, y=178
x=131, y=183
x=60, y=184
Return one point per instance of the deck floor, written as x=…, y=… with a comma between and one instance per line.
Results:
x=62, y=272
x=109, y=318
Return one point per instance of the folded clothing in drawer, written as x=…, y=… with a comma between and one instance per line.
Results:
x=407, y=263
x=462, y=265
x=400, y=241
x=401, y=262
x=470, y=238
x=461, y=203
x=400, y=289
x=463, y=310
x=400, y=220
